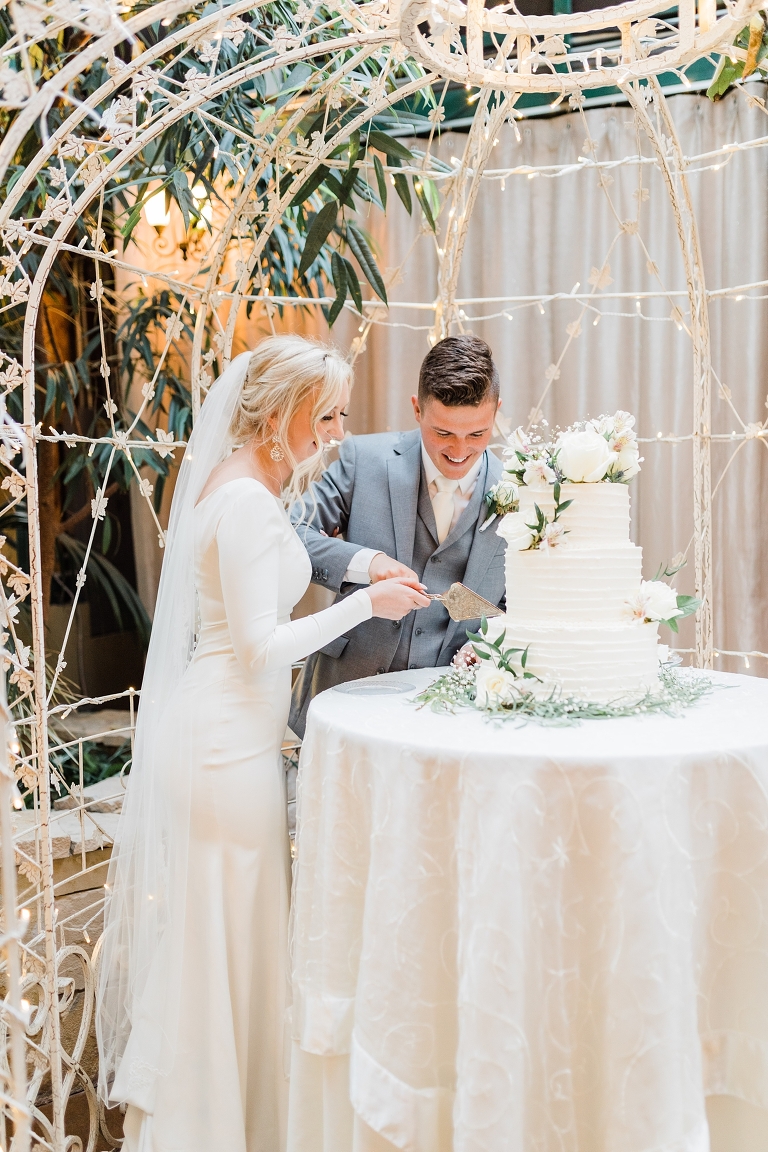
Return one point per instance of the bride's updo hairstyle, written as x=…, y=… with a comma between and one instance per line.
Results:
x=283, y=371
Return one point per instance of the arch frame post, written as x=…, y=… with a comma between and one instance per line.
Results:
x=660, y=129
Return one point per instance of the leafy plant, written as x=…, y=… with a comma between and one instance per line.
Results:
x=753, y=42
x=95, y=345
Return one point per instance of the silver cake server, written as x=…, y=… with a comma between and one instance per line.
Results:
x=464, y=604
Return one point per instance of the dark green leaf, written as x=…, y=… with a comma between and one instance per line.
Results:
x=311, y=185
x=339, y=273
x=403, y=191
x=354, y=147
x=182, y=195
x=418, y=188
x=318, y=234
x=388, y=145
x=381, y=180
x=353, y=284
x=364, y=257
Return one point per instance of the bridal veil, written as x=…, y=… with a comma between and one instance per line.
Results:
x=144, y=910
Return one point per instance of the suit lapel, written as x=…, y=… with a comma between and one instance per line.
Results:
x=485, y=545
x=404, y=476
x=426, y=511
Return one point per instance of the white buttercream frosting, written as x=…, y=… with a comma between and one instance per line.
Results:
x=567, y=605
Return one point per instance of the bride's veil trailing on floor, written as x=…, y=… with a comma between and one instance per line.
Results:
x=144, y=914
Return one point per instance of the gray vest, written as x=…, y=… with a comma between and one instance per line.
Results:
x=438, y=566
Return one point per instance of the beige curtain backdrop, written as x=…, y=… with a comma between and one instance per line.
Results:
x=539, y=236
x=543, y=235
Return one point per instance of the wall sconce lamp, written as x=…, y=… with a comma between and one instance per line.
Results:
x=157, y=211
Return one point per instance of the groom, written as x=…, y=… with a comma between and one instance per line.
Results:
x=409, y=504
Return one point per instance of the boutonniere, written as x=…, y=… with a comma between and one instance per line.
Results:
x=500, y=500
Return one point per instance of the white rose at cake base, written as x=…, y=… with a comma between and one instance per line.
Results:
x=576, y=598
x=494, y=686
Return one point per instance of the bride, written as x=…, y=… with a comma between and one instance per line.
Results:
x=193, y=963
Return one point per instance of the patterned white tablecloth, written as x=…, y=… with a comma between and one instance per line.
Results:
x=527, y=939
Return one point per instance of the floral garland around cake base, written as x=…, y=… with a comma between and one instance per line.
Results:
x=514, y=700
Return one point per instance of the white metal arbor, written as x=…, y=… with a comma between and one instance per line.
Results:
x=419, y=44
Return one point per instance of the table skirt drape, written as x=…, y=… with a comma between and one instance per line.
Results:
x=526, y=939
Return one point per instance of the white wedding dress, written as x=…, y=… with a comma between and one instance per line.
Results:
x=226, y=1088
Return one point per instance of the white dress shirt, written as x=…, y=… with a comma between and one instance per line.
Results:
x=358, y=571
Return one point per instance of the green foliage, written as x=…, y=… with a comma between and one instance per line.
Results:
x=100, y=762
x=678, y=690
x=754, y=41
x=316, y=247
x=687, y=606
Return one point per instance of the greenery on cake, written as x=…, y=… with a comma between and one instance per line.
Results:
x=545, y=532
x=499, y=686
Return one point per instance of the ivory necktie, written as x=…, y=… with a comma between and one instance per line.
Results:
x=442, y=505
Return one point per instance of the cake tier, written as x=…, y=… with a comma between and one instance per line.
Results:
x=596, y=662
x=598, y=516
x=576, y=584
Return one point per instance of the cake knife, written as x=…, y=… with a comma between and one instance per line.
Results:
x=464, y=604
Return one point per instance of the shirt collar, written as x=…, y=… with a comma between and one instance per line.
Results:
x=431, y=471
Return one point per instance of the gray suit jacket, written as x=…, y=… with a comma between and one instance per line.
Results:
x=371, y=494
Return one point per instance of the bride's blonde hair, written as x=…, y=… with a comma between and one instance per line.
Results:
x=282, y=372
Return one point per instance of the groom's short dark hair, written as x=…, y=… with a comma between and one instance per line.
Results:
x=459, y=370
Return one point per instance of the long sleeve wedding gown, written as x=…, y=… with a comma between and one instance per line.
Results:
x=226, y=1090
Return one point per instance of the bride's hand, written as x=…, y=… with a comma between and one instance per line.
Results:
x=393, y=599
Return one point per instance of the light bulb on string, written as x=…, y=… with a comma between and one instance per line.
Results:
x=541, y=307
x=746, y=661
x=597, y=320
x=503, y=184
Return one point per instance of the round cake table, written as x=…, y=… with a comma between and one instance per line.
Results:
x=530, y=939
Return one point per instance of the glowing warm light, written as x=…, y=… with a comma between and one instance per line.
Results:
x=203, y=205
x=157, y=210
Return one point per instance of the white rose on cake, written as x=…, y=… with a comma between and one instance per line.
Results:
x=493, y=686
x=515, y=531
x=584, y=457
x=654, y=600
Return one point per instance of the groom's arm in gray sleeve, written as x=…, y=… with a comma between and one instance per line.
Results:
x=316, y=526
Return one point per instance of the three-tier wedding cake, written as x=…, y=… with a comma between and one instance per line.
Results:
x=576, y=600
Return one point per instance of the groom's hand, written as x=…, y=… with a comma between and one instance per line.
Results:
x=383, y=567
